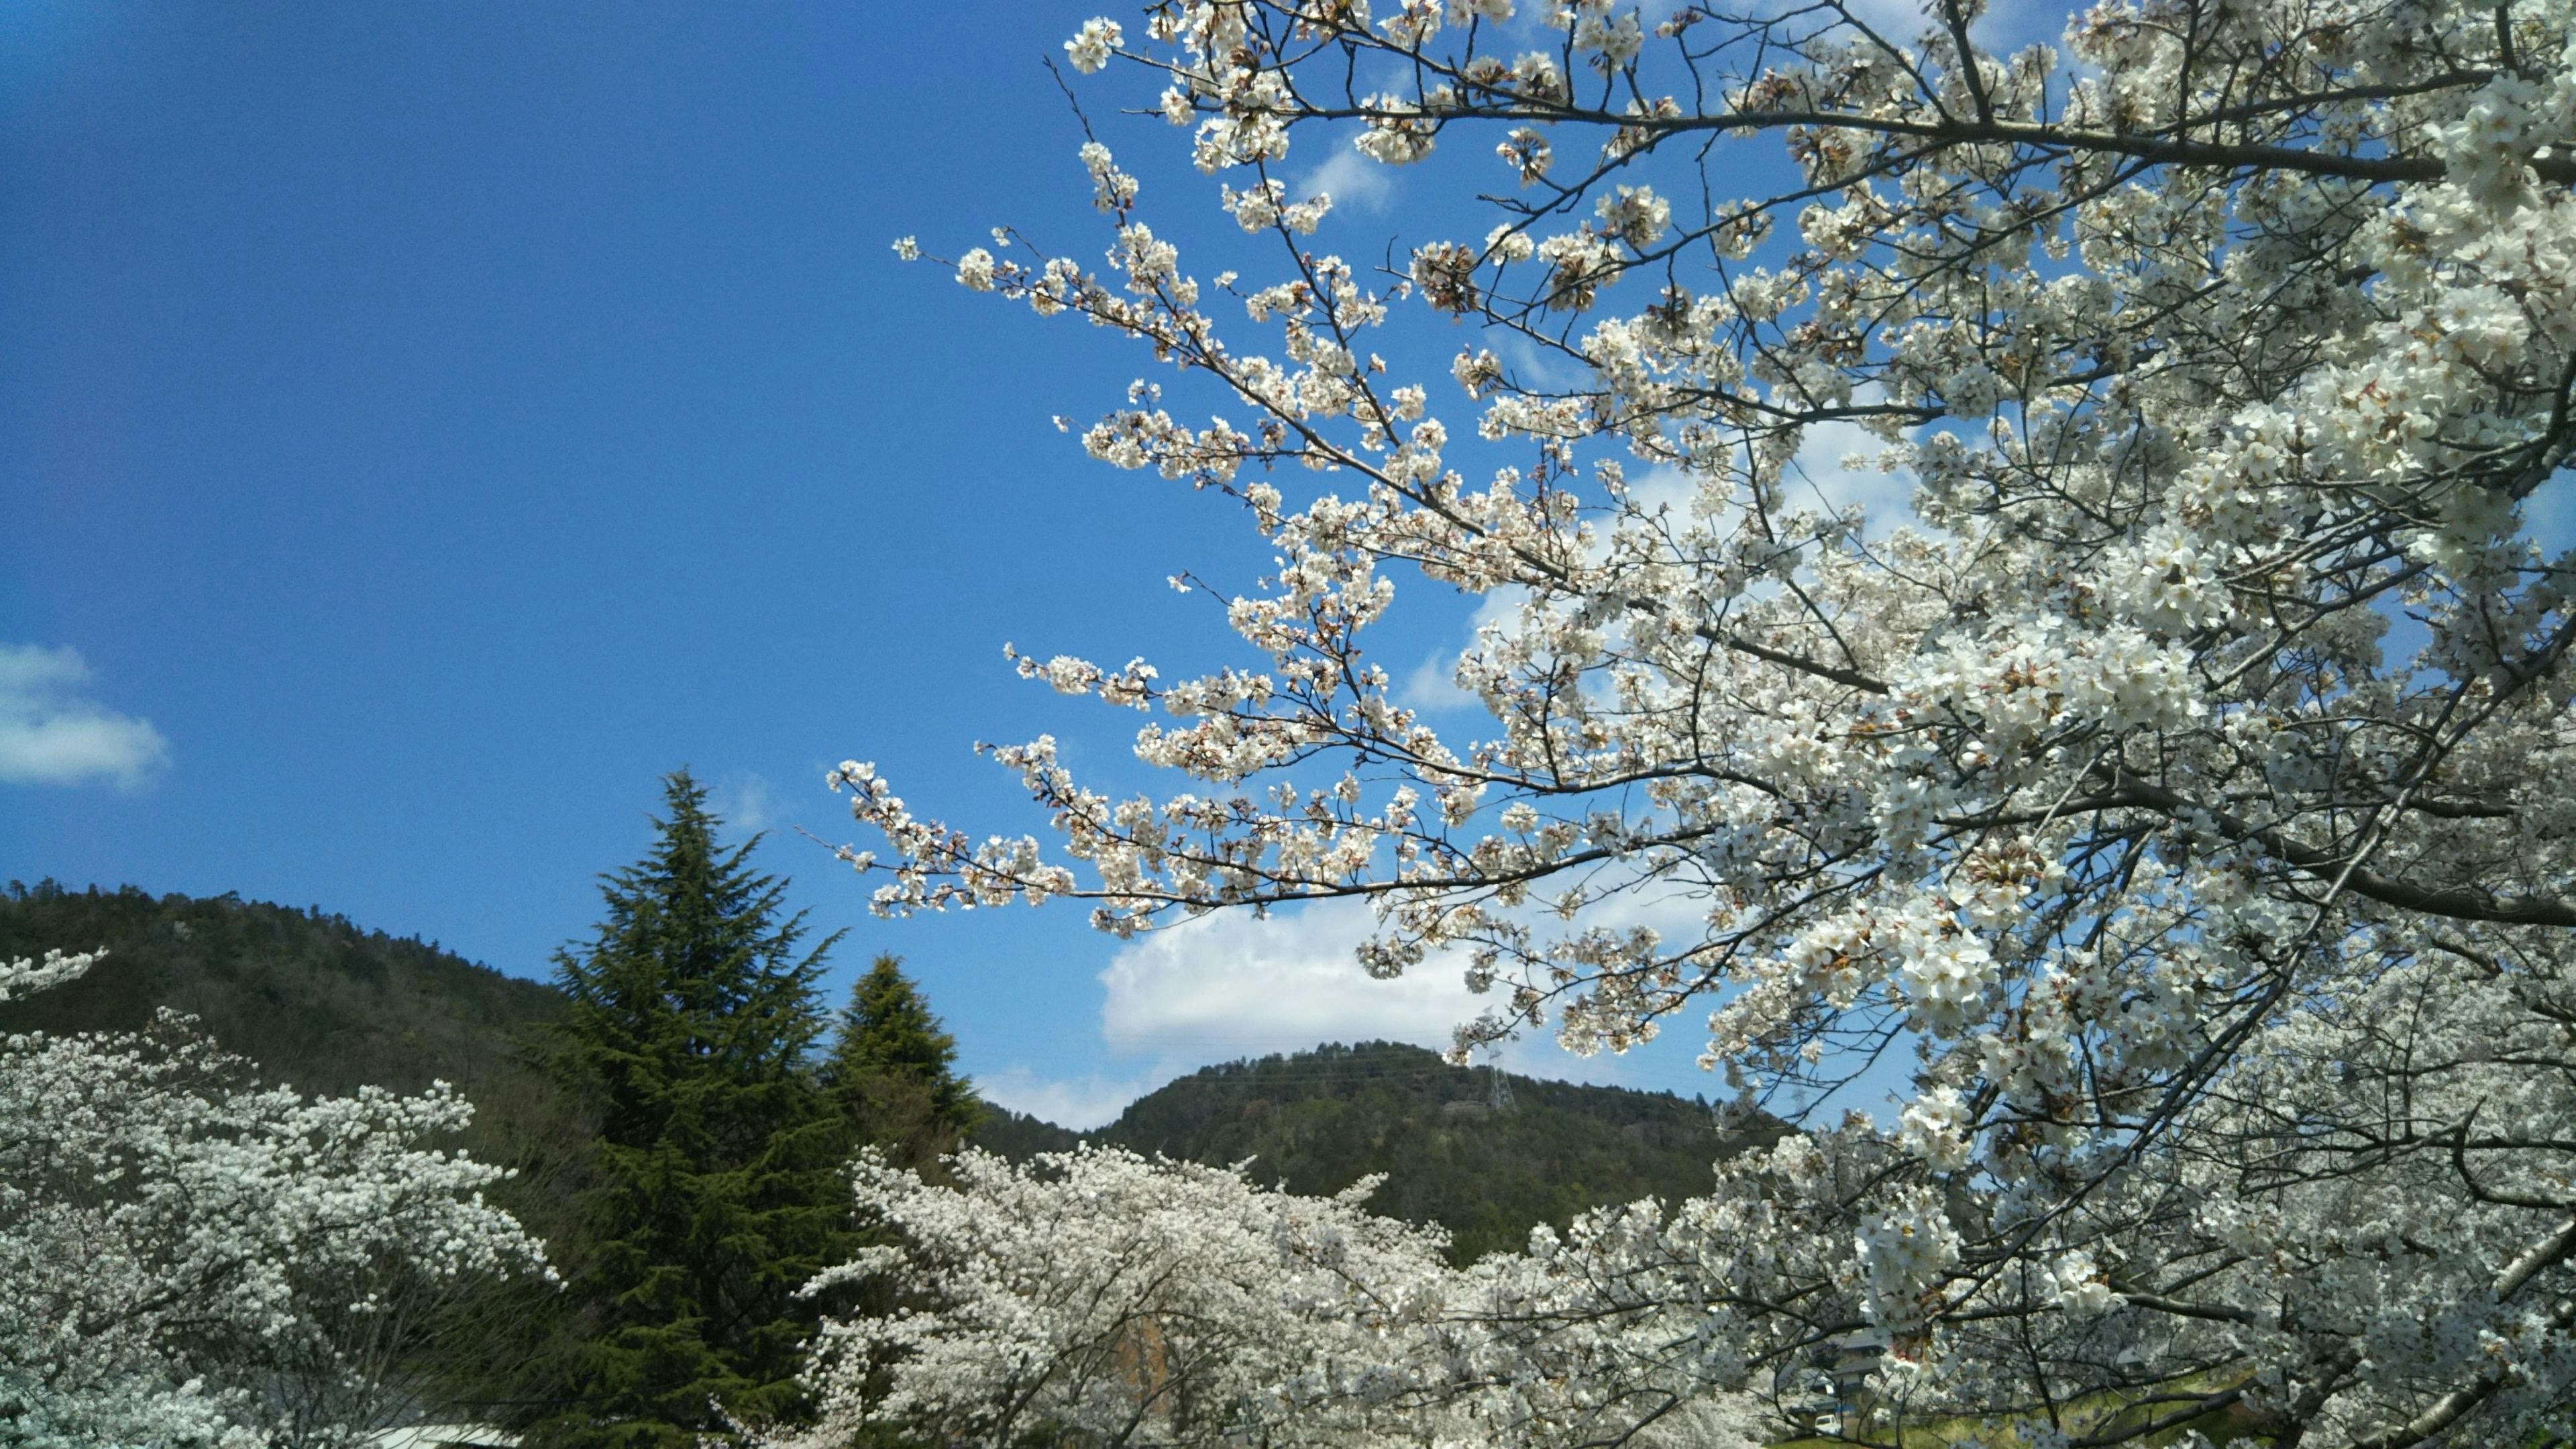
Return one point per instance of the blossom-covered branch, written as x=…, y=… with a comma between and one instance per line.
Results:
x=2183, y=777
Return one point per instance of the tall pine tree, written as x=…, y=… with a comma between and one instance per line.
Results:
x=892, y=1073
x=692, y=1016
x=892, y=1079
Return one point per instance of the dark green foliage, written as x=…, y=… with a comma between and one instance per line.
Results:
x=892, y=1078
x=1319, y=1121
x=688, y=1026
x=1019, y=1136
x=892, y=1073
x=311, y=1000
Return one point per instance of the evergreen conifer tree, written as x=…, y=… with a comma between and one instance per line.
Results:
x=692, y=1015
x=892, y=1072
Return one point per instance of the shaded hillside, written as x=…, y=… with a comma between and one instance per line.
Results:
x=1019, y=1136
x=329, y=1006
x=316, y=1001
x=1319, y=1121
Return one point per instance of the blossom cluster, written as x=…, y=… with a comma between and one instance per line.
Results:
x=1113, y=1298
x=2181, y=779
x=194, y=1260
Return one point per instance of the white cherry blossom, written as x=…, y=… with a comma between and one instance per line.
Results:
x=193, y=1260
x=2182, y=784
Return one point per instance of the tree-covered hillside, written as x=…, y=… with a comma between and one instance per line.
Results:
x=328, y=1005
x=317, y=1001
x=1487, y=1165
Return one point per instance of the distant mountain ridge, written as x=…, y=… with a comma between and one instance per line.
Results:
x=322, y=1003
x=316, y=1000
x=1487, y=1155
x=326, y=1006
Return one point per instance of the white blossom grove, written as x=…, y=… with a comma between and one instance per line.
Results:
x=1108, y=1299
x=191, y=1260
x=2183, y=781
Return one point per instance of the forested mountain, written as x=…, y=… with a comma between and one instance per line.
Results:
x=1486, y=1155
x=317, y=1001
x=320, y=1004
x=327, y=1005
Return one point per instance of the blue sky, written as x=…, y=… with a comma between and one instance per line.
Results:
x=421, y=427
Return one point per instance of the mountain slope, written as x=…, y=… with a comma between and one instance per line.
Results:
x=323, y=1005
x=1486, y=1164
x=315, y=1000
x=328, y=1006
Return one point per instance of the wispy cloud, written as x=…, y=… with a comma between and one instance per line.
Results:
x=2001, y=25
x=747, y=801
x=1432, y=686
x=1897, y=21
x=1353, y=181
x=1541, y=369
x=52, y=733
x=1234, y=985
x=1886, y=499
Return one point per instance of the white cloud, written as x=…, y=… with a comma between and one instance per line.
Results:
x=1080, y=1103
x=51, y=734
x=747, y=801
x=2000, y=25
x=1886, y=499
x=1540, y=369
x=1899, y=22
x=1816, y=475
x=1233, y=984
x=1351, y=179
x=1432, y=686
x=2008, y=25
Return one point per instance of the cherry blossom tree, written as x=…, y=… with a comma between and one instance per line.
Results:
x=191, y=1259
x=2181, y=783
x=1112, y=1299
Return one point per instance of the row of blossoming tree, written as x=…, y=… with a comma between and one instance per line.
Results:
x=2180, y=789
x=191, y=1258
